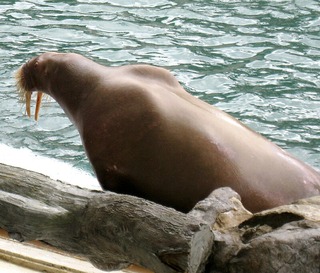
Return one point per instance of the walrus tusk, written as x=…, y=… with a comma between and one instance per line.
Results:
x=28, y=103
x=38, y=105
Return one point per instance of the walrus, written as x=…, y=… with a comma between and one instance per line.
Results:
x=146, y=136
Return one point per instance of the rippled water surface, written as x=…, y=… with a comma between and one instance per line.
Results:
x=257, y=60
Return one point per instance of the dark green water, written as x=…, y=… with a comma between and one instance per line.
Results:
x=257, y=60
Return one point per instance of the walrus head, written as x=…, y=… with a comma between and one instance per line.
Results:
x=33, y=77
x=27, y=83
x=57, y=75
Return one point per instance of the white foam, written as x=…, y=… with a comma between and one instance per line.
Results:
x=55, y=169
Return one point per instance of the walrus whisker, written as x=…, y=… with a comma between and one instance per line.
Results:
x=24, y=95
x=21, y=85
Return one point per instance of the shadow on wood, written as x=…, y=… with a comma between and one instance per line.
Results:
x=111, y=230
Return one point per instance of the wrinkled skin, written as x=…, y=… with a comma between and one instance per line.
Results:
x=146, y=136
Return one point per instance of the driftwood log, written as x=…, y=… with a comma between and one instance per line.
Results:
x=114, y=231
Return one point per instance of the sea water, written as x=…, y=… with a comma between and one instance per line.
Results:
x=257, y=60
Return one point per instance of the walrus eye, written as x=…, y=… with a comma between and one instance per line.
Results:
x=36, y=64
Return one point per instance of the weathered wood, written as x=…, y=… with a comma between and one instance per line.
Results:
x=283, y=239
x=111, y=230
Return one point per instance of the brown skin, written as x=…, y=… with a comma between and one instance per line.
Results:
x=146, y=136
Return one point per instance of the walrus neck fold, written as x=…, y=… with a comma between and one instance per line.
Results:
x=71, y=97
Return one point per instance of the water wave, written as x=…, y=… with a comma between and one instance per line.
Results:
x=258, y=60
